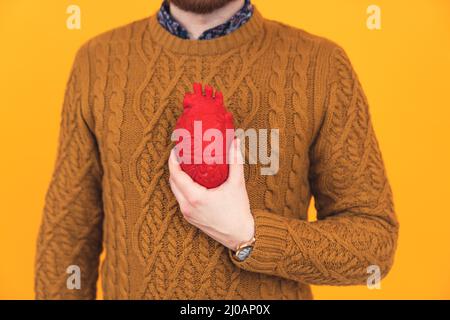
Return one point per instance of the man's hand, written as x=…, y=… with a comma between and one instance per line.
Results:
x=222, y=213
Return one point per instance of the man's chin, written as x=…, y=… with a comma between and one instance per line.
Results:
x=200, y=6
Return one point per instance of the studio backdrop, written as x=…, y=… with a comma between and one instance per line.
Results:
x=399, y=49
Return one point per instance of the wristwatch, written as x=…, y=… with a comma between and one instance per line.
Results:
x=244, y=249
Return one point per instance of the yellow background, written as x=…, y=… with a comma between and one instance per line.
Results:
x=404, y=69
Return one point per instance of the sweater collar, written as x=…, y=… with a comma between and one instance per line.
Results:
x=246, y=33
x=173, y=26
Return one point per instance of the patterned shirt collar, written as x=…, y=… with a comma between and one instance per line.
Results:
x=175, y=28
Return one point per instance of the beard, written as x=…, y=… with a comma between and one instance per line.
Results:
x=200, y=6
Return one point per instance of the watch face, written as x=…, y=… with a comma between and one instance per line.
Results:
x=244, y=253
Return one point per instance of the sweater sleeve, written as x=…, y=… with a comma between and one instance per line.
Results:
x=70, y=234
x=356, y=226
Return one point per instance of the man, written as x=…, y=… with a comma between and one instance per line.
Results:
x=167, y=237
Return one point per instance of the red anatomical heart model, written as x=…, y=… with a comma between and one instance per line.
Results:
x=208, y=165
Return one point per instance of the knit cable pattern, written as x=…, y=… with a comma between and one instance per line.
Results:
x=110, y=185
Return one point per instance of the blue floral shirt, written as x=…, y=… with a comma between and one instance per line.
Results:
x=175, y=28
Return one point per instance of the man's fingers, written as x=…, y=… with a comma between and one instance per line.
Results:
x=236, y=161
x=178, y=195
x=186, y=186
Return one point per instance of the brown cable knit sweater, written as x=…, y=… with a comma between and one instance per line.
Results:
x=110, y=184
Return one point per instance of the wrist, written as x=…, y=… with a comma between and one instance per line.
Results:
x=246, y=232
x=272, y=236
x=244, y=250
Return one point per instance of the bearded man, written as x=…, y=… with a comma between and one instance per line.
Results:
x=118, y=188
